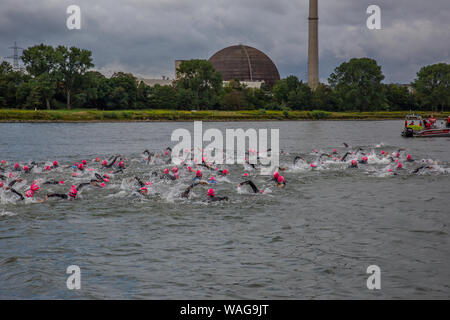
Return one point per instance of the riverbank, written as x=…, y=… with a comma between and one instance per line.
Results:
x=92, y=115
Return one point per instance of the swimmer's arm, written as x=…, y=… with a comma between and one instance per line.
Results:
x=251, y=184
x=82, y=185
x=140, y=182
x=17, y=193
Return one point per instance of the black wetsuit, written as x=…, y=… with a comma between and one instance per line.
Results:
x=51, y=182
x=167, y=176
x=217, y=199
x=345, y=156
x=187, y=192
x=112, y=162
x=10, y=185
x=251, y=184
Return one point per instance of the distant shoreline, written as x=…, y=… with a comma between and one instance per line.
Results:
x=156, y=115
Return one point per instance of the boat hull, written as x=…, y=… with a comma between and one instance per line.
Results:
x=428, y=133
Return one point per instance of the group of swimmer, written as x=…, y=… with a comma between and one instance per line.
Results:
x=102, y=171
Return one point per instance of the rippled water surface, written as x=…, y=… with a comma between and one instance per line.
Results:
x=314, y=239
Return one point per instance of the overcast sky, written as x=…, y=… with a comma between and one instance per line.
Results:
x=146, y=36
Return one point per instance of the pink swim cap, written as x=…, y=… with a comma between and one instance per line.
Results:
x=74, y=174
x=1, y=184
x=55, y=163
x=148, y=183
x=390, y=170
x=16, y=166
x=398, y=154
x=365, y=159
x=166, y=171
x=34, y=187
x=225, y=172
x=212, y=179
x=48, y=168
x=313, y=165
x=354, y=162
x=316, y=151
x=408, y=157
x=81, y=166
x=106, y=179
x=61, y=182
x=189, y=168
x=382, y=152
x=26, y=168
x=76, y=164
x=245, y=174
x=84, y=162
x=211, y=193
x=102, y=185
x=105, y=176
x=97, y=159
x=167, y=153
x=335, y=151
x=73, y=192
x=199, y=173
x=276, y=175
x=281, y=179
x=400, y=166
x=3, y=162
x=11, y=175
x=29, y=194
x=104, y=163
x=121, y=164
x=144, y=189
x=174, y=169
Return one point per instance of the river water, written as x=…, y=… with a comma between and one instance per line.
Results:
x=312, y=240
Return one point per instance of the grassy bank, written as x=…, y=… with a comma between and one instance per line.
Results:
x=88, y=115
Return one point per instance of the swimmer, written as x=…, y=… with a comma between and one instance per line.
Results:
x=354, y=164
x=297, y=159
x=10, y=188
x=345, y=156
x=251, y=184
x=364, y=160
x=187, y=192
x=142, y=186
x=212, y=197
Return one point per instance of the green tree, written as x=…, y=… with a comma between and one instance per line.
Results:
x=432, y=86
x=10, y=82
x=129, y=84
x=324, y=98
x=358, y=84
x=163, y=97
x=300, y=98
x=71, y=64
x=200, y=77
x=398, y=97
x=40, y=62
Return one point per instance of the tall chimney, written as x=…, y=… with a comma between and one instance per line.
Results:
x=313, y=47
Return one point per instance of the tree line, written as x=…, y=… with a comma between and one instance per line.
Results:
x=61, y=77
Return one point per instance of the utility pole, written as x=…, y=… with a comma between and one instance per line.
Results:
x=15, y=57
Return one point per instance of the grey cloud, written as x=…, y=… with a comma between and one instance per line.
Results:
x=145, y=36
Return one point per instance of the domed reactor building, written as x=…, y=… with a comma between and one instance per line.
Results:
x=246, y=64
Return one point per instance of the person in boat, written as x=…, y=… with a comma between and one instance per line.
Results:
x=432, y=120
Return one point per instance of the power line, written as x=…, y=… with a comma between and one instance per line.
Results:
x=15, y=57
